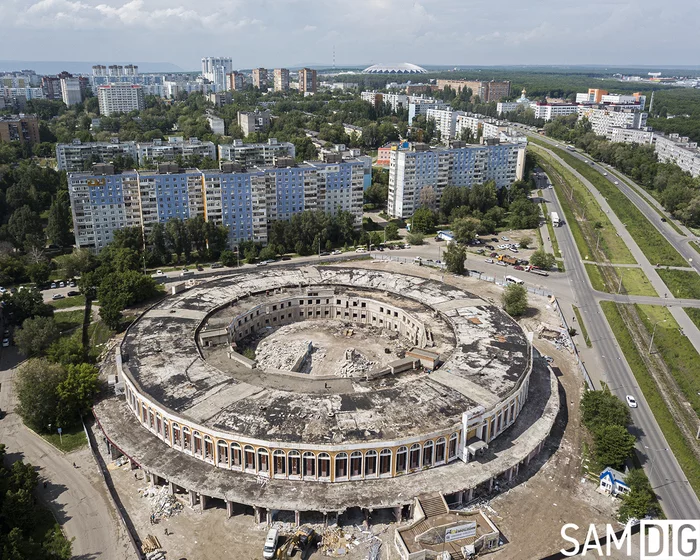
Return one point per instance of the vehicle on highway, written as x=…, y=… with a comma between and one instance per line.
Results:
x=324, y=254
x=219, y=265
x=261, y=263
x=406, y=246
x=5, y=342
x=518, y=267
x=501, y=263
x=605, y=174
x=187, y=273
x=490, y=261
x=58, y=296
x=360, y=250
x=617, y=182
x=631, y=401
x=336, y=252
x=663, y=219
x=73, y=293
x=185, y=269
x=159, y=272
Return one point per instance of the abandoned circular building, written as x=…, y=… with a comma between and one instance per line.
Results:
x=322, y=388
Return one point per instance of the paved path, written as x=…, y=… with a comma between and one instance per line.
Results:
x=606, y=362
x=80, y=505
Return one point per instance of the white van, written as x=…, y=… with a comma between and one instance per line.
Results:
x=271, y=544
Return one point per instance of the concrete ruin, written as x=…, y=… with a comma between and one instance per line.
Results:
x=453, y=402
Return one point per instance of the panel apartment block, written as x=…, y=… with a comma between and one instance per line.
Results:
x=262, y=154
x=79, y=156
x=462, y=166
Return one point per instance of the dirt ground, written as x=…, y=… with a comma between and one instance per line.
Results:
x=529, y=515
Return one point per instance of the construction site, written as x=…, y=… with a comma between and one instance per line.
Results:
x=334, y=398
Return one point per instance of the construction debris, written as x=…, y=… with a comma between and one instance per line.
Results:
x=151, y=544
x=337, y=541
x=163, y=503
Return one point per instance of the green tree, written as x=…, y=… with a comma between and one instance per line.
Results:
x=25, y=228
x=228, y=258
x=613, y=445
x=77, y=391
x=66, y=350
x=24, y=304
x=515, y=300
x=267, y=253
x=415, y=239
x=119, y=290
x=640, y=500
x=454, y=258
x=36, y=382
x=39, y=272
x=177, y=238
x=391, y=231
x=423, y=221
x=157, y=245
x=602, y=408
x=525, y=242
x=542, y=260
x=524, y=214
x=36, y=335
x=60, y=221
x=465, y=229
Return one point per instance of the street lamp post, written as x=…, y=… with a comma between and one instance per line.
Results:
x=651, y=342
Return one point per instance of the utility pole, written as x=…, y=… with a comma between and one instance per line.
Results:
x=653, y=333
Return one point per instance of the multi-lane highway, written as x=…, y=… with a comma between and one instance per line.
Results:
x=677, y=497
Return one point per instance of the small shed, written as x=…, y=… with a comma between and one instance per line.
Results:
x=428, y=359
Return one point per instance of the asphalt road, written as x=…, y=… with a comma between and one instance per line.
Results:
x=81, y=509
x=675, y=494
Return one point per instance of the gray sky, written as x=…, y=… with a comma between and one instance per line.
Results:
x=289, y=32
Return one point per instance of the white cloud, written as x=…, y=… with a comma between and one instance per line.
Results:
x=310, y=28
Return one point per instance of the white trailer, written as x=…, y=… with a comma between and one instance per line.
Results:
x=555, y=219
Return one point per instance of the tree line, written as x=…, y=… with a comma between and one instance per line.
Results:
x=674, y=188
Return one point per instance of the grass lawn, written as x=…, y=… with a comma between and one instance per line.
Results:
x=635, y=282
x=596, y=277
x=72, y=301
x=681, y=283
x=582, y=327
x=73, y=439
x=694, y=314
x=99, y=334
x=695, y=245
x=573, y=194
x=652, y=243
x=680, y=447
x=67, y=320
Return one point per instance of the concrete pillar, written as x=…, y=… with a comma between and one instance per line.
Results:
x=229, y=509
x=297, y=516
x=171, y=487
x=203, y=501
x=490, y=484
x=193, y=498
x=269, y=517
x=510, y=473
x=132, y=464
x=154, y=479
x=517, y=469
x=397, y=513
x=471, y=495
x=325, y=519
x=257, y=513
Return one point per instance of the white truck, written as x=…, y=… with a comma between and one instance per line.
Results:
x=556, y=222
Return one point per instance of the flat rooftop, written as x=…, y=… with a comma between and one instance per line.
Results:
x=489, y=357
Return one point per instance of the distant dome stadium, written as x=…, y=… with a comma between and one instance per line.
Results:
x=403, y=68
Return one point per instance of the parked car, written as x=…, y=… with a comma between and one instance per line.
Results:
x=54, y=285
x=631, y=401
x=336, y=252
x=490, y=261
x=262, y=263
x=360, y=250
x=518, y=267
x=73, y=293
x=490, y=247
x=217, y=265
x=159, y=272
x=58, y=296
x=493, y=255
x=504, y=238
x=501, y=263
x=61, y=284
x=5, y=342
x=325, y=254
x=2, y=290
x=72, y=283
x=286, y=258
x=200, y=268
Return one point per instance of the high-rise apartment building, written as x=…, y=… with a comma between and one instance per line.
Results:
x=260, y=79
x=460, y=165
x=604, y=118
x=245, y=201
x=80, y=156
x=216, y=70
x=253, y=121
x=71, y=91
x=307, y=80
x=281, y=79
x=678, y=149
x=250, y=155
x=21, y=128
x=120, y=98
x=236, y=81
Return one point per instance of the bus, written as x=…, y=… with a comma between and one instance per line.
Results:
x=514, y=280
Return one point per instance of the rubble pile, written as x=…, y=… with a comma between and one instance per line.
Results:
x=277, y=355
x=339, y=541
x=354, y=364
x=163, y=503
x=151, y=547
